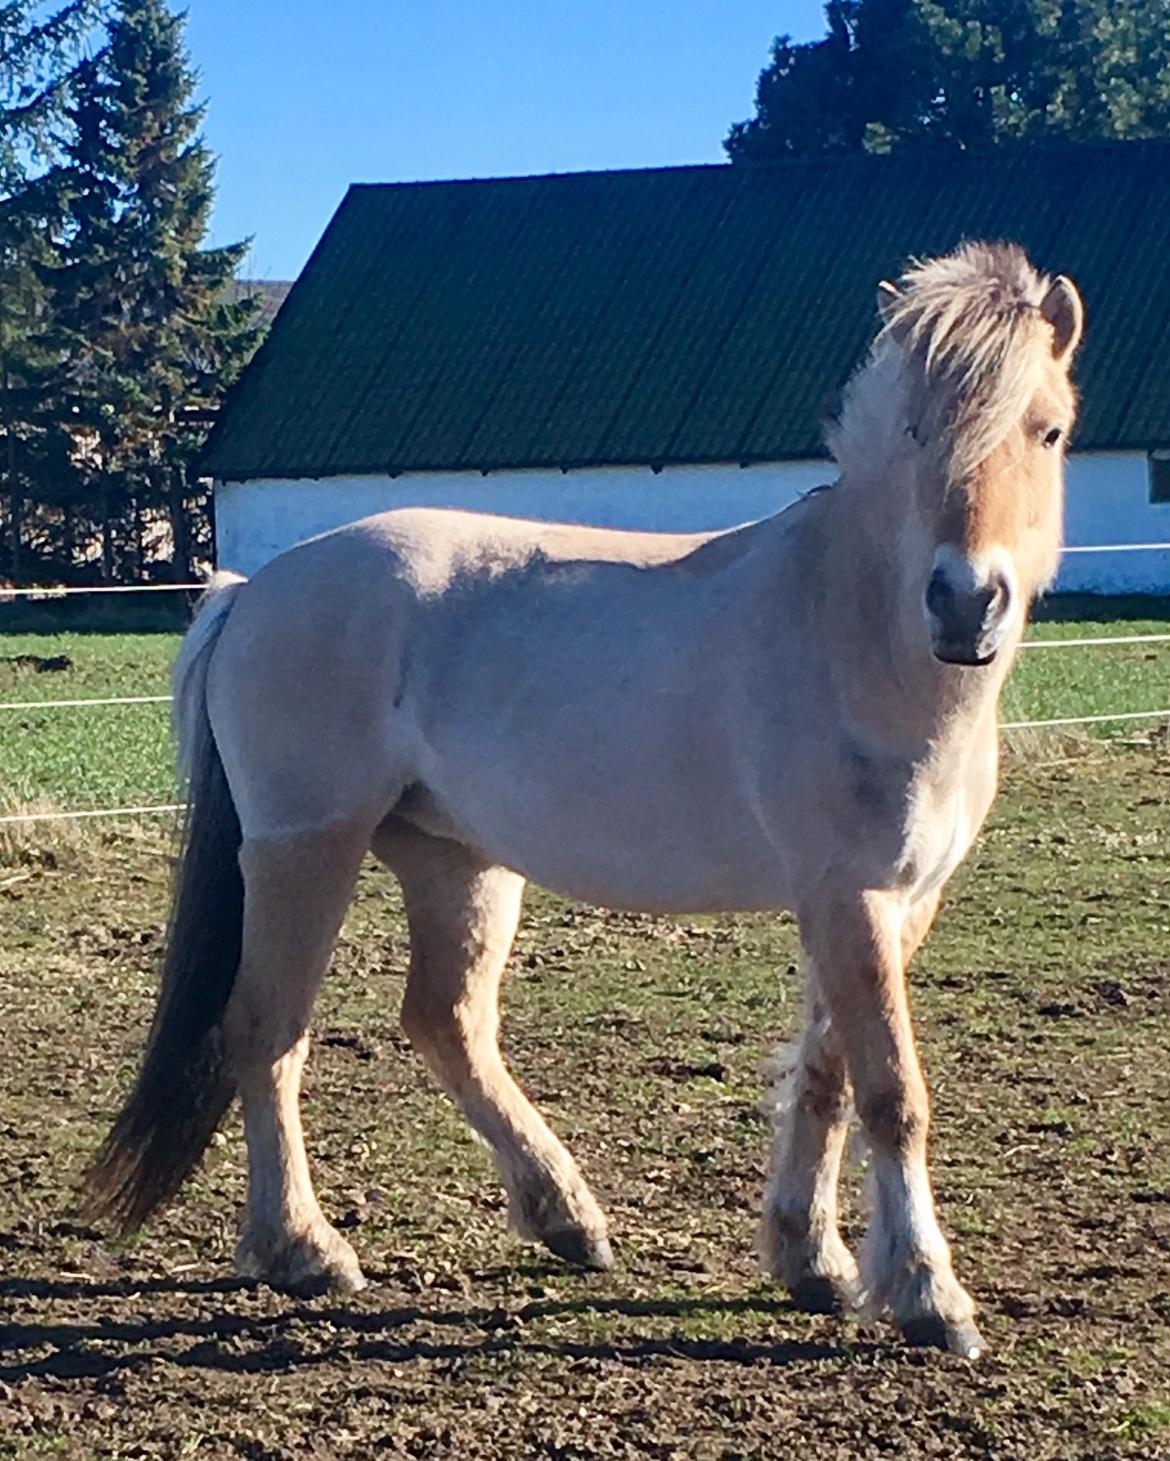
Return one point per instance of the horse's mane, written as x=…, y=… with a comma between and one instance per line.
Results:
x=961, y=351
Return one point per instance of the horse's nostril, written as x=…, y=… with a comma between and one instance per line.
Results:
x=939, y=594
x=966, y=608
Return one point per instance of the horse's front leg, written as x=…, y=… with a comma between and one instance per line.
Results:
x=799, y=1238
x=857, y=943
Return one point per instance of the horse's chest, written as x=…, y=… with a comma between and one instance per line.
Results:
x=916, y=827
x=936, y=843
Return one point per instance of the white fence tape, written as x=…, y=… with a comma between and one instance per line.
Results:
x=159, y=809
x=25, y=818
x=1095, y=643
x=1117, y=548
x=1104, y=641
x=21, y=817
x=49, y=592
x=1006, y=725
x=43, y=591
x=73, y=704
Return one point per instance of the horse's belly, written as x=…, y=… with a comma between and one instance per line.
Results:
x=624, y=849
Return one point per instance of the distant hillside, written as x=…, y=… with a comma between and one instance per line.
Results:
x=270, y=292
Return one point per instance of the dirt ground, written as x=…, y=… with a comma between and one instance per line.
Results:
x=1043, y=1005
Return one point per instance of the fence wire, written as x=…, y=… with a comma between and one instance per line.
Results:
x=90, y=813
x=74, y=704
x=164, y=808
x=50, y=592
x=1117, y=548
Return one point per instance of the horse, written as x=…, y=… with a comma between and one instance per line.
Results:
x=799, y=713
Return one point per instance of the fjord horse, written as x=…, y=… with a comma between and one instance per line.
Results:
x=800, y=713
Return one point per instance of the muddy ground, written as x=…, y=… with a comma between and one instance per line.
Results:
x=1043, y=1005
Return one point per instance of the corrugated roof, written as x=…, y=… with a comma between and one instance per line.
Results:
x=689, y=314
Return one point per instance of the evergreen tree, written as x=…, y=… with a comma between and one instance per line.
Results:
x=188, y=342
x=896, y=74
x=39, y=47
x=36, y=460
x=145, y=335
x=85, y=383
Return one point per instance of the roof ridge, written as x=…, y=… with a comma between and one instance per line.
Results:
x=1056, y=147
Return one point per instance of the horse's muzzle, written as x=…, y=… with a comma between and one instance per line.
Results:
x=967, y=624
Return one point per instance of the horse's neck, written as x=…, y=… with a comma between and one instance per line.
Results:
x=893, y=687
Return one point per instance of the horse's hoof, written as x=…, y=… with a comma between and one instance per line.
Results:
x=335, y=1278
x=579, y=1249
x=933, y=1332
x=817, y=1294
x=318, y=1284
x=305, y=1266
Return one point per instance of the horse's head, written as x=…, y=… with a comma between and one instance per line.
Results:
x=975, y=352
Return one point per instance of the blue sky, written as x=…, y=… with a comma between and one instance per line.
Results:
x=304, y=98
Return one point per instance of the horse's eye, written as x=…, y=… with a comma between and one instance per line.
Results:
x=914, y=434
x=1052, y=436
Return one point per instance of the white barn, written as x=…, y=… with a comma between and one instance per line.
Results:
x=656, y=349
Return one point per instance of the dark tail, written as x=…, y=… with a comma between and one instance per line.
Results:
x=183, y=1087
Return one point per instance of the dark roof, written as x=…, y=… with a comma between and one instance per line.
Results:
x=686, y=314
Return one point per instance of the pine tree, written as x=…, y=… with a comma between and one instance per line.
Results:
x=38, y=51
x=36, y=463
x=189, y=341
x=39, y=47
x=897, y=74
x=144, y=330
x=85, y=383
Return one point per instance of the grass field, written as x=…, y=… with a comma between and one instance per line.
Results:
x=1043, y=1006
x=105, y=756
x=122, y=755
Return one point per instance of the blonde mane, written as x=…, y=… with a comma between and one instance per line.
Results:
x=962, y=350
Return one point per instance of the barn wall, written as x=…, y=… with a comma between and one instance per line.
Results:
x=1108, y=502
x=256, y=520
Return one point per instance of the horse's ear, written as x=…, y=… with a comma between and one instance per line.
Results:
x=1063, y=310
x=889, y=296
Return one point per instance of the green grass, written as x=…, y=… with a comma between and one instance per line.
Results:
x=1146, y=1419
x=87, y=757
x=1050, y=683
x=123, y=755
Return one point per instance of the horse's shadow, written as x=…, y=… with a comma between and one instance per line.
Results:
x=211, y=1342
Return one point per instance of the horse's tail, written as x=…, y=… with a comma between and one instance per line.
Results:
x=183, y=1086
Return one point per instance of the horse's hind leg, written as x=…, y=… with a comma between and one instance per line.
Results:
x=799, y=1238
x=296, y=891
x=462, y=914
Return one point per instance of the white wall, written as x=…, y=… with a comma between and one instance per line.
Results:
x=1108, y=502
x=256, y=520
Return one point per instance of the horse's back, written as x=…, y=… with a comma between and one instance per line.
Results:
x=432, y=548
